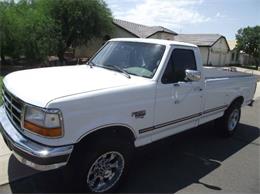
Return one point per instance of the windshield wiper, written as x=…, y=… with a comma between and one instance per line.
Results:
x=119, y=69
x=91, y=64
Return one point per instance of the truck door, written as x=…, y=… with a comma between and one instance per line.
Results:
x=178, y=101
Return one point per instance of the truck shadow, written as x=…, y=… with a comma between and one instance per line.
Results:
x=166, y=166
x=171, y=165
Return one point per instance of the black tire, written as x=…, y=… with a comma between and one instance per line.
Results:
x=79, y=168
x=223, y=124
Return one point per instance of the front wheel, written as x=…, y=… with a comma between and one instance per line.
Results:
x=100, y=167
x=229, y=122
x=105, y=172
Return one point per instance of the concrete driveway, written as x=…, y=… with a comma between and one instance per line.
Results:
x=196, y=161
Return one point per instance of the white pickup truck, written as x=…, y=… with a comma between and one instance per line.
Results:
x=131, y=93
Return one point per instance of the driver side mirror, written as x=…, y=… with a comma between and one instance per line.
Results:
x=192, y=75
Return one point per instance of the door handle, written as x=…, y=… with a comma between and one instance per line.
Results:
x=180, y=83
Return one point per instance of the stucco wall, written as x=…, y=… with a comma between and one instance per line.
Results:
x=220, y=46
x=218, y=55
x=204, y=54
x=121, y=33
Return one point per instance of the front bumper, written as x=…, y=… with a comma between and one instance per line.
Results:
x=30, y=153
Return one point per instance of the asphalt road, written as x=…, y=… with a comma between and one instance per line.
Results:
x=196, y=161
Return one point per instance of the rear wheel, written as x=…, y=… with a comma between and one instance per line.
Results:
x=229, y=122
x=233, y=119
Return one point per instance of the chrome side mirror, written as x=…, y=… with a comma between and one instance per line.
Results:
x=192, y=75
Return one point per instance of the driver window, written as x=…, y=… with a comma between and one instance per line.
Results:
x=180, y=60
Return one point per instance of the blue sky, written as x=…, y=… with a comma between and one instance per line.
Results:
x=190, y=16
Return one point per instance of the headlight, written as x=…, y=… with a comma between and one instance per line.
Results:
x=44, y=122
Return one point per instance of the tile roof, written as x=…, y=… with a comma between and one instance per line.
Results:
x=198, y=39
x=140, y=30
x=143, y=31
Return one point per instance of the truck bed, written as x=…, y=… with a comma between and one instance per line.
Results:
x=223, y=85
x=218, y=73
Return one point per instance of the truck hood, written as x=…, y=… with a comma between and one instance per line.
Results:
x=40, y=86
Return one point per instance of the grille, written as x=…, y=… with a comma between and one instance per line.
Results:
x=13, y=107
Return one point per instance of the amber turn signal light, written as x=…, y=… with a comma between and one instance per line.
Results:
x=47, y=132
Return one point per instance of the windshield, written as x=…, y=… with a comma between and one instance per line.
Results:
x=141, y=59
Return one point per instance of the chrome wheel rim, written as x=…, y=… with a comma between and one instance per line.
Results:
x=105, y=171
x=233, y=120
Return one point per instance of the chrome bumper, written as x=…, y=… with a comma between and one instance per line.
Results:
x=30, y=153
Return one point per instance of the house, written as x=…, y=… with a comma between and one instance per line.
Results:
x=142, y=31
x=238, y=57
x=123, y=29
x=214, y=47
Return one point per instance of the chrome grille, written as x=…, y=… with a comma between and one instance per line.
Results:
x=13, y=107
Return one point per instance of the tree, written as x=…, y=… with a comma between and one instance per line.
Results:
x=26, y=31
x=38, y=28
x=248, y=41
x=7, y=31
x=38, y=32
x=79, y=21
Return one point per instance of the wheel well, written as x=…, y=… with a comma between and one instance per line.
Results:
x=115, y=132
x=99, y=136
x=239, y=100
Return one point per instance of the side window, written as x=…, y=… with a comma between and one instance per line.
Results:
x=180, y=60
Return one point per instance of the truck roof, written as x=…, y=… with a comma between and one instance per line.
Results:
x=155, y=41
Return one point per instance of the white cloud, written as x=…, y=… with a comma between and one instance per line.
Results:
x=220, y=15
x=173, y=14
